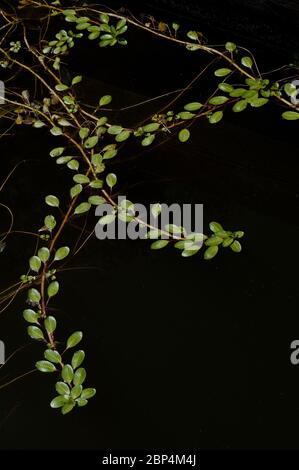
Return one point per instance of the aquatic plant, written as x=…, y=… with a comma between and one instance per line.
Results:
x=89, y=140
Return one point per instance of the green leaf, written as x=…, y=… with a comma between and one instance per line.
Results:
x=247, y=62
x=96, y=184
x=83, y=207
x=290, y=115
x=74, y=339
x=213, y=240
x=45, y=366
x=82, y=26
x=258, y=102
x=69, y=100
x=44, y=254
x=78, y=358
x=61, y=87
x=240, y=106
x=101, y=122
x=190, y=251
x=91, y=142
x=184, y=135
x=216, y=100
x=107, y=219
x=104, y=18
x=159, y=244
x=75, y=190
x=122, y=136
x=104, y=100
x=182, y=244
x=111, y=153
x=222, y=72
x=35, y=333
x=50, y=222
x=94, y=35
x=153, y=234
x=192, y=35
x=215, y=227
x=185, y=115
x=38, y=124
x=53, y=288
x=152, y=127
x=82, y=19
x=111, y=180
x=67, y=408
x=148, y=140
x=193, y=47
x=228, y=241
x=79, y=376
x=52, y=201
x=196, y=237
x=236, y=246
x=250, y=95
x=73, y=165
x=35, y=263
x=64, y=122
x=55, y=130
x=52, y=356
x=76, y=391
x=71, y=18
x=50, y=324
x=81, y=179
x=237, y=92
x=225, y=87
x=67, y=373
x=230, y=46
x=215, y=117
x=156, y=209
x=58, y=402
x=30, y=316
x=239, y=234
x=62, y=388
x=96, y=159
x=290, y=89
x=96, y=200
x=84, y=132
x=120, y=24
x=105, y=43
x=211, y=252
x=114, y=130
x=194, y=106
x=171, y=228
x=81, y=402
x=88, y=393
x=77, y=79
x=57, y=152
x=61, y=253
x=33, y=295
x=63, y=160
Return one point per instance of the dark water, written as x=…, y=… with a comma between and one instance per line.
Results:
x=183, y=353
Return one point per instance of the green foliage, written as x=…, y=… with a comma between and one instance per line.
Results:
x=61, y=253
x=89, y=141
x=53, y=289
x=74, y=339
x=184, y=135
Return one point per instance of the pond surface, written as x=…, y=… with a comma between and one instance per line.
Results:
x=183, y=353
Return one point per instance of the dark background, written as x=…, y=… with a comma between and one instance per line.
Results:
x=183, y=353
